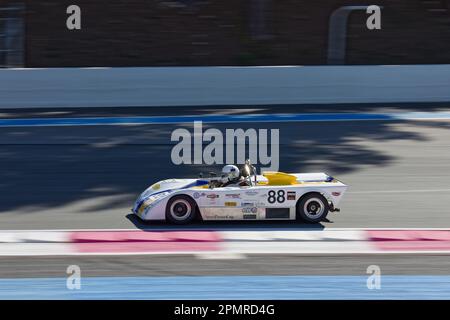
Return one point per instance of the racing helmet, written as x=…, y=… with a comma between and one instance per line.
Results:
x=230, y=172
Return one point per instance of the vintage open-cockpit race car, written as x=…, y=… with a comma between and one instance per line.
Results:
x=242, y=194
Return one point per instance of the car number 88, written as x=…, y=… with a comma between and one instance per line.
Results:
x=276, y=196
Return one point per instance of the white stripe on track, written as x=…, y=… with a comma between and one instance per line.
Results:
x=398, y=191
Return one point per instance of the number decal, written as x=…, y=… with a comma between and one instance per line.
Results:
x=280, y=196
x=276, y=196
x=271, y=198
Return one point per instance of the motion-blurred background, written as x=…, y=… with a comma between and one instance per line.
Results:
x=70, y=169
x=226, y=33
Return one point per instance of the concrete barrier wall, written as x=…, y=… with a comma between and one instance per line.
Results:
x=122, y=87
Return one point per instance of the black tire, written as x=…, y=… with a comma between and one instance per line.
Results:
x=312, y=208
x=181, y=210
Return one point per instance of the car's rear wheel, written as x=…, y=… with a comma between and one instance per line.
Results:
x=181, y=210
x=312, y=208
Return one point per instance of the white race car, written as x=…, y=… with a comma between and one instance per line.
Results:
x=271, y=196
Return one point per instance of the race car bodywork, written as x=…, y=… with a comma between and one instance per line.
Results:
x=273, y=195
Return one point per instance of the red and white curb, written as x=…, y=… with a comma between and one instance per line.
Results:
x=210, y=243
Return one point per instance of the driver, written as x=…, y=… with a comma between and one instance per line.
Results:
x=231, y=177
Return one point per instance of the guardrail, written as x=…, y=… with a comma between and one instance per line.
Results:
x=189, y=86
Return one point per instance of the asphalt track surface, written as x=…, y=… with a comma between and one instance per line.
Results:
x=187, y=265
x=88, y=177
x=72, y=177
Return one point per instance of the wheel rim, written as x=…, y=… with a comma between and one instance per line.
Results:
x=180, y=209
x=314, y=208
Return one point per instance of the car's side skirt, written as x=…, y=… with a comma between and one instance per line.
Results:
x=247, y=213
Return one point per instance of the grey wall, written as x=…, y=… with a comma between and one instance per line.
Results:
x=101, y=87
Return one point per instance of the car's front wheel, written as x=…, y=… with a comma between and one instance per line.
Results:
x=312, y=208
x=180, y=210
